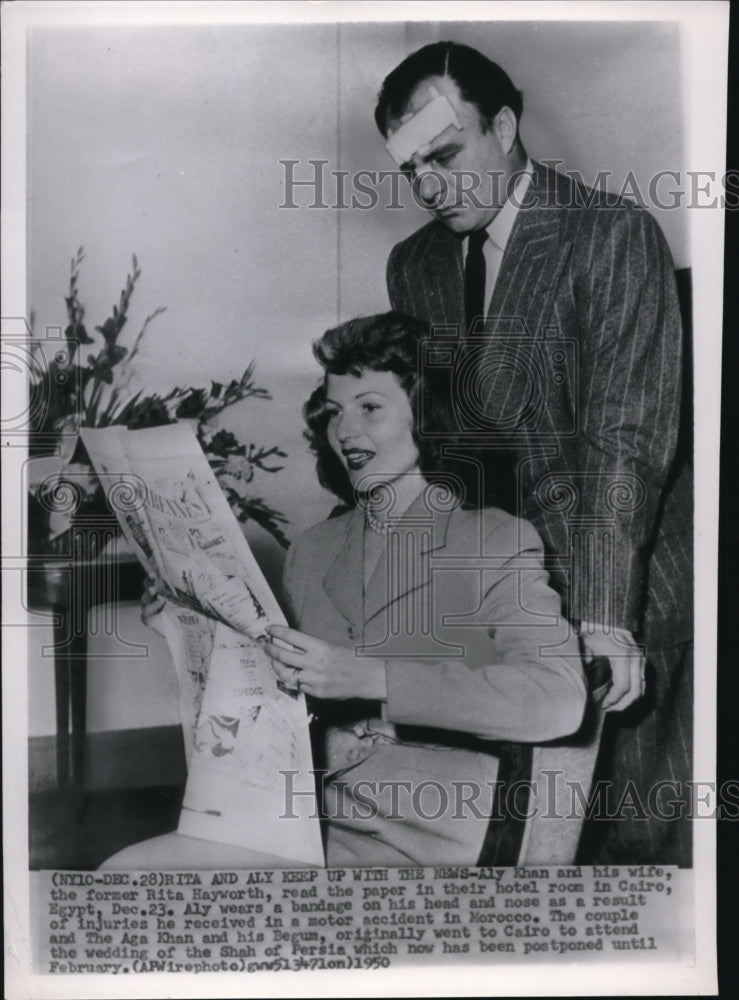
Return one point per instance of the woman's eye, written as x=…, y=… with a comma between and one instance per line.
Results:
x=370, y=407
x=331, y=414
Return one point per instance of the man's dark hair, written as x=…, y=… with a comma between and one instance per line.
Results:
x=388, y=342
x=481, y=82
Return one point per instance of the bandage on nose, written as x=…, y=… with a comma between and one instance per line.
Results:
x=422, y=128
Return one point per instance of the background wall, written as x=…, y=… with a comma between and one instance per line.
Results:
x=167, y=142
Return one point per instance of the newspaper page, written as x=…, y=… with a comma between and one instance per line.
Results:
x=233, y=149
x=245, y=730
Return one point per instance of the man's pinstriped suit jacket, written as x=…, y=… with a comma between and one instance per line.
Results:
x=578, y=368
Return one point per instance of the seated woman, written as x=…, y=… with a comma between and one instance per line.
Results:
x=426, y=635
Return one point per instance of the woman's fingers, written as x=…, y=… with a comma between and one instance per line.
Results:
x=291, y=635
x=288, y=675
x=297, y=665
x=289, y=657
x=152, y=603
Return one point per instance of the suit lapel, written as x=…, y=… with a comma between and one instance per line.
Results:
x=512, y=391
x=442, y=297
x=343, y=582
x=403, y=568
x=530, y=270
x=533, y=262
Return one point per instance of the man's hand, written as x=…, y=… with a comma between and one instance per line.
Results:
x=324, y=670
x=627, y=661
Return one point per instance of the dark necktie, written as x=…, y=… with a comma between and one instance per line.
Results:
x=474, y=278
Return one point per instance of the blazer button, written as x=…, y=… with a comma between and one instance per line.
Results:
x=352, y=632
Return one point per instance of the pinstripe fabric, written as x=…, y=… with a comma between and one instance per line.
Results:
x=643, y=747
x=578, y=369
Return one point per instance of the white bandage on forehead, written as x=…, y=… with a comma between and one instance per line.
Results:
x=422, y=128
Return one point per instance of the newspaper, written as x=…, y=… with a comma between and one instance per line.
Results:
x=243, y=730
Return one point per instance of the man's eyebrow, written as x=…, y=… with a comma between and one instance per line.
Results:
x=443, y=150
x=433, y=154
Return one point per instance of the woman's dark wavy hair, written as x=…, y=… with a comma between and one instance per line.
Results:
x=388, y=342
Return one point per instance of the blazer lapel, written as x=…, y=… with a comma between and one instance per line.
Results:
x=533, y=262
x=532, y=265
x=343, y=582
x=443, y=277
x=403, y=567
x=521, y=310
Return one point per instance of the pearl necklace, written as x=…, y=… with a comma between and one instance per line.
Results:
x=375, y=524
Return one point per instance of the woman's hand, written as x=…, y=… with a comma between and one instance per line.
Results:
x=152, y=605
x=324, y=670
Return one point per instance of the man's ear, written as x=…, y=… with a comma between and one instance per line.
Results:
x=505, y=127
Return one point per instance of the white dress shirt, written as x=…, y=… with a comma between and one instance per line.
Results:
x=499, y=232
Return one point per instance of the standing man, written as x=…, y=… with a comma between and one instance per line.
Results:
x=560, y=311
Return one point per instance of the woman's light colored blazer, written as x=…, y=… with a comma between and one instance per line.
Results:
x=476, y=651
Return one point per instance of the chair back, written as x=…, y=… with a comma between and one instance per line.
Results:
x=562, y=780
